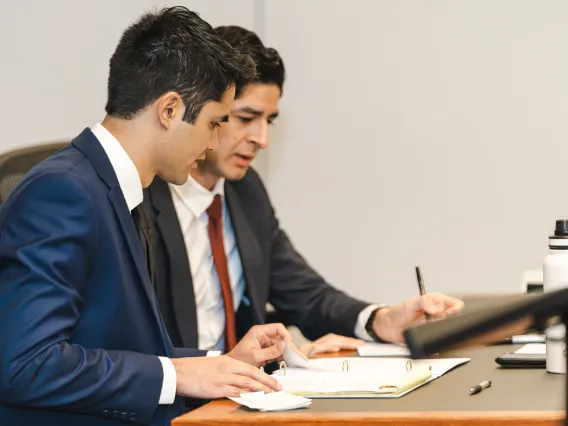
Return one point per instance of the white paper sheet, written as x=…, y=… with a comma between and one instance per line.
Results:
x=274, y=401
x=533, y=348
x=383, y=349
x=294, y=358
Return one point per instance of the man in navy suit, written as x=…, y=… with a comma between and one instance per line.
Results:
x=82, y=339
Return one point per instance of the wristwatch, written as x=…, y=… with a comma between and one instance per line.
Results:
x=369, y=327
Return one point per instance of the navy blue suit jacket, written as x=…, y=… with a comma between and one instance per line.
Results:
x=80, y=328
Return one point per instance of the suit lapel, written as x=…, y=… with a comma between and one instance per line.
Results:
x=249, y=249
x=182, y=293
x=129, y=231
x=90, y=146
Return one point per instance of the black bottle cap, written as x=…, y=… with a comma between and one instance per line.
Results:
x=561, y=229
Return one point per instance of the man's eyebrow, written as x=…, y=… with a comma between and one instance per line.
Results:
x=249, y=110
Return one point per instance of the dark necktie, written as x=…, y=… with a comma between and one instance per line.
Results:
x=215, y=228
x=142, y=226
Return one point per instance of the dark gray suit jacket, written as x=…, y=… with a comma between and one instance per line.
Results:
x=274, y=271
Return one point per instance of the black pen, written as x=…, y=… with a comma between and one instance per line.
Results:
x=422, y=290
x=478, y=388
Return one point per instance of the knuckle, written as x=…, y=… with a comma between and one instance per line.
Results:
x=248, y=383
x=231, y=391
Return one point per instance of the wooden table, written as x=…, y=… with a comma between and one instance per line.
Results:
x=518, y=397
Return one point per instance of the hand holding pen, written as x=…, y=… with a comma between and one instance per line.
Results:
x=422, y=290
x=390, y=322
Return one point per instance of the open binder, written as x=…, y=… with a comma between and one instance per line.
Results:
x=361, y=377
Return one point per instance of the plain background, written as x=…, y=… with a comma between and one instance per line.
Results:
x=412, y=132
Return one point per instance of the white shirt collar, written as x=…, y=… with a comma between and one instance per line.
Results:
x=124, y=168
x=196, y=197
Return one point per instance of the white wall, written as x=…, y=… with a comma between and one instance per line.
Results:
x=426, y=132
x=55, y=60
x=429, y=132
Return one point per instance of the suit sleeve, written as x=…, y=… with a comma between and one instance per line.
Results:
x=299, y=293
x=48, y=236
x=187, y=352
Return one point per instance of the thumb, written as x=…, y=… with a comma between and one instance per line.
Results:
x=272, y=352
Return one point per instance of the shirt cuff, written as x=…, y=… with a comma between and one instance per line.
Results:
x=213, y=353
x=168, y=393
x=362, y=319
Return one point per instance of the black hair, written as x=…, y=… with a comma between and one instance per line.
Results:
x=269, y=64
x=173, y=49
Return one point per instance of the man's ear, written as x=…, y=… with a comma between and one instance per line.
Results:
x=169, y=107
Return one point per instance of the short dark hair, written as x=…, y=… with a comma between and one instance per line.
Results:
x=269, y=64
x=172, y=49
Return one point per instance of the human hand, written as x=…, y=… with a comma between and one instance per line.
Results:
x=330, y=343
x=219, y=377
x=262, y=344
x=390, y=322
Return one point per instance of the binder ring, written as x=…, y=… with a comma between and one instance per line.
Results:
x=282, y=369
x=409, y=366
x=345, y=367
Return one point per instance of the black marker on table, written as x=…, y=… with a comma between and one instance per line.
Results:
x=478, y=388
x=422, y=290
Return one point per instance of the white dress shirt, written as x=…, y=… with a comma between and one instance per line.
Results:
x=191, y=201
x=131, y=186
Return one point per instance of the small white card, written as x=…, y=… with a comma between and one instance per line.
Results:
x=383, y=349
x=528, y=338
x=274, y=401
x=532, y=348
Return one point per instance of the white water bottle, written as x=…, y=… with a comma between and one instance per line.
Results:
x=555, y=272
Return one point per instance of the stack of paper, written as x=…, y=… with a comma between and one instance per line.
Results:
x=362, y=377
x=275, y=401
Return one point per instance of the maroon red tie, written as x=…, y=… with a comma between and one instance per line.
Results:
x=215, y=228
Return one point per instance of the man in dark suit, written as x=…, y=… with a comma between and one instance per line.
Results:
x=221, y=254
x=82, y=339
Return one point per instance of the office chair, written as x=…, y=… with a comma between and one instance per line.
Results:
x=16, y=163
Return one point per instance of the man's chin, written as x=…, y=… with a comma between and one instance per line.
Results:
x=179, y=179
x=236, y=175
